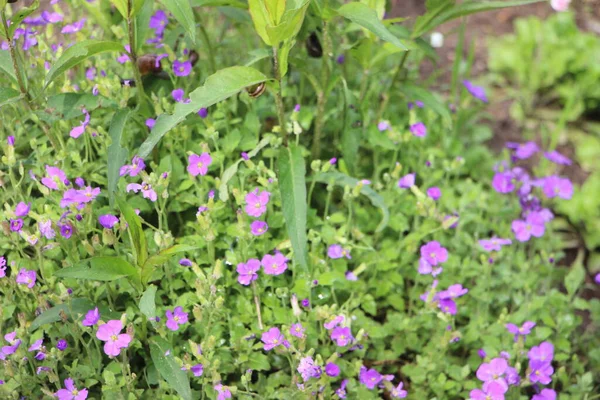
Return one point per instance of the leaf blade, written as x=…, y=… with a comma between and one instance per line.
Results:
x=183, y=13
x=219, y=86
x=168, y=368
x=136, y=232
x=116, y=155
x=98, y=269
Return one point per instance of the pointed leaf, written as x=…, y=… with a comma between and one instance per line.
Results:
x=78, y=53
x=148, y=302
x=183, y=13
x=117, y=155
x=366, y=17
x=136, y=233
x=99, y=269
x=6, y=66
x=219, y=86
x=164, y=361
x=292, y=185
x=20, y=15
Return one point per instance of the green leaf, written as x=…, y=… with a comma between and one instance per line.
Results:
x=66, y=106
x=98, y=269
x=20, y=15
x=76, y=307
x=162, y=257
x=136, y=233
x=290, y=25
x=260, y=19
x=182, y=11
x=142, y=20
x=148, y=302
x=232, y=169
x=292, y=185
x=219, y=86
x=218, y=3
x=8, y=96
x=259, y=362
x=575, y=278
x=116, y=155
x=164, y=361
x=340, y=179
x=6, y=66
x=121, y=6
x=283, y=56
x=366, y=17
x=418, y=93
x=446, y=12
x=78, y=53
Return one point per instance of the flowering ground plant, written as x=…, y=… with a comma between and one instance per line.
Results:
x=309, y=223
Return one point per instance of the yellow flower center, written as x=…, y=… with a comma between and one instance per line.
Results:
x=199, y=165
x=113, y=338
x=257, y=205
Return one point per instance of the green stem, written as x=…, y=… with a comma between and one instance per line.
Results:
x=209, y=46
x=396, y=76
x=322, y=95
x=257, y=303
x=133, y=55
x=279, y=95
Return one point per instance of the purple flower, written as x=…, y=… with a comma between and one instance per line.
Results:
x=540, y=372
x=481, y=353
x=178, y=95
x=533, y=225
x=71, y=392
x=203, y=113
x=15, y=343
x=10, y=141
x=273, y=338
x=383, y=126
x=407, y=181
x=447, y=306
x=198, y=164
x=340, y=59
x=16, y=224
x=335, y=321
x=258, y=228
x=274, y=264
x=557, y=158
x=523, y=151
x=185, y=262
x=419, y=129
x=342, y=336
x=491, y=391
x=398, y=392
x=26, y=277
x=256, y=202
x=434, y=192
x=175, y=318
x=305, y=303
x=182, y=68
x=597, y=278
x=425, y=268
x=336, y=251
x=248, y=271
x=297, y=330
x=512, y=376
x=308, y=369
x=434, y=253
x=492, y=371
x=369, y=377
x=158, y=22
x=91, y=317
x=146, y=188
x=544, y=352
x=545, y=394
x=80, y=182
x=66, y=231
x=197, y=369
x=476, y=91
x=524, y=330
x=74, y=27
x=557, y=186
x=503, y=182
x=115, y=340
x=2, y=267
x=341, y=391
x=62, y=345
x=137, y=166
x=22, y=209
x=54, y=177
x=223, y=392
x=494, y=244
x=41, y=350
x=108, y=220
x=150, y=122
x=332, y=370
x=453, y=292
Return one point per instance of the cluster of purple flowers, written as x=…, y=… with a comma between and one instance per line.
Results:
x=371, y=378
x=433, y=254
x=136, y=167
x=275, y=264
x=515, y=179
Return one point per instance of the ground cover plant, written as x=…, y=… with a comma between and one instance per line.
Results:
x=221, y=199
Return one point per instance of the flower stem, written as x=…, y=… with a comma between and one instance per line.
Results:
x=279, y=95
x=257, y=303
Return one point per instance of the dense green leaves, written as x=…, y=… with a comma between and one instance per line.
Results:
x=292, y=185
x=182, y=11
x=79, y=52
x=219, y=86
x=164, y=361
x=117, y=155
x=6, y=66
x=363, y=15
x=65, y=106
x=8, y=95
x=99, y=269
x=75, y=307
